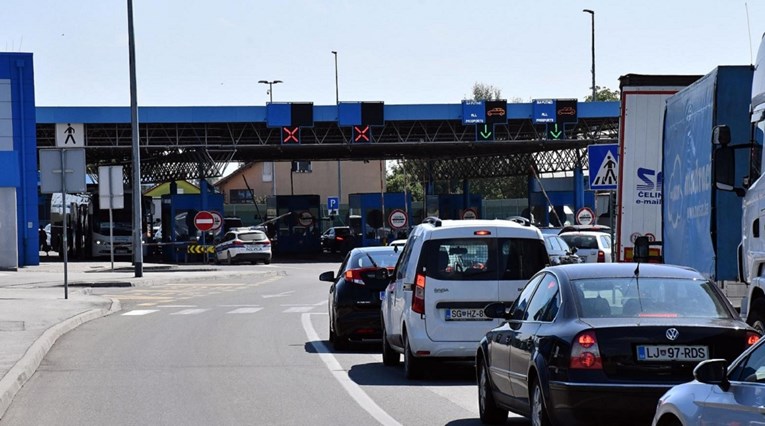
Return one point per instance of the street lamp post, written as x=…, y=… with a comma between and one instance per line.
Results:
x=271, y=100
x=270, y=88
x=339, y=170
x=592, y=15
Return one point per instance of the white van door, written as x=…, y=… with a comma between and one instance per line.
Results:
x=465, y=273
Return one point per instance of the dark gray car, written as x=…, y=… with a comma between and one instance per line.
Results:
x=560, y=253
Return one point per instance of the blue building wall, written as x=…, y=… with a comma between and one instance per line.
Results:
x=19, y=165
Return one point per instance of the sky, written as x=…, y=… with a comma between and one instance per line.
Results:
x=213, y=53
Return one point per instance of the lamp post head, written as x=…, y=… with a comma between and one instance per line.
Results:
x=263, y=81
x=334, y=52
x=591, y=12
x=277, y=81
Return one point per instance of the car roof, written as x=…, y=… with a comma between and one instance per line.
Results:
x=590, y=233
x=624, y=270
x=445, y=224
x=375, y=249
x=593, y=228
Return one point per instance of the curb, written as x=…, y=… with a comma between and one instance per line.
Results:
x=18, y=375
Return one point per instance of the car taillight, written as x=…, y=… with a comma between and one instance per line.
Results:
x=339, y=238
x=237, y=243
x=263, y=243
x=585, y=353
x=418, y=301
x=355, y=275
x=601, y=256
x=751, y=338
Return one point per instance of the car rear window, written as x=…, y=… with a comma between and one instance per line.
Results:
x=342, y=231
x=648, y=297
x=252, y=236
x=581, y=241
x=478, y=259
x=387, y=259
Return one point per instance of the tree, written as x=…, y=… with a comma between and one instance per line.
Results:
x=401, y=180
x=486, y=92
x=603, y=94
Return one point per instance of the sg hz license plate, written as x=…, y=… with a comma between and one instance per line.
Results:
x=672, y=353
x=466, y=315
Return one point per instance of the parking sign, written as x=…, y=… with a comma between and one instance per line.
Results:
x=333, y=206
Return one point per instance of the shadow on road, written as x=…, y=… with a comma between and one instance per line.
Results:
x=515, y=421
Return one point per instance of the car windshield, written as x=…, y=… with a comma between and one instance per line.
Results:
x=648, y=297
x=252, y=236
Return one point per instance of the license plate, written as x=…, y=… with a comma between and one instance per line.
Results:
x=672, y=353
x=473, y=314
x=253, y=248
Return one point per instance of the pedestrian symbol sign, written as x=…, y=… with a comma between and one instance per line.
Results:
x=70, y=135
x=604, y=166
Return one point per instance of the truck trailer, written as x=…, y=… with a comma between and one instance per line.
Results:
x=639, y=187
x=702, y=220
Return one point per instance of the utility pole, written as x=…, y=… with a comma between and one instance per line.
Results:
x=592, y=14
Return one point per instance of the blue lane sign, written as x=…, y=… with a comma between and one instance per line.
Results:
x=543, y=110
x=604, y=166
x=333, y=206
x=473, y=112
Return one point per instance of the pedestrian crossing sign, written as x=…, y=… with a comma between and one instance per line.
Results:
x=604, y=166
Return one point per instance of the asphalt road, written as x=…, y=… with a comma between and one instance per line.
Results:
x=230, y=352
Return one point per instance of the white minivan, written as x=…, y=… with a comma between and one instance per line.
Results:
x=447, y=273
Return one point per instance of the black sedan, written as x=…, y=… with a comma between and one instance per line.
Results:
x=600, y=343
x=337, y=239
x=354, y=296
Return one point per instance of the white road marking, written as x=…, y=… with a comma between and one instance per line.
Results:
x=354, y=390
x=459, y=395
x=141, y=312
x=298, y=310
x=190, y=312
x=323, y=302
x=244, y=311
x=239, y=306
x=284, y=294
x=177, y=306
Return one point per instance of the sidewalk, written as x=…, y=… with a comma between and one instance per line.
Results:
x=34, y=313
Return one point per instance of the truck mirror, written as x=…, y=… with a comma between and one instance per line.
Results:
x=724, y=167
x=721, y=135
x=641, y=253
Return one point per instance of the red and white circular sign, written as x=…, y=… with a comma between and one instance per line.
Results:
x=397, y=219
x=305, y=218
x=585, y=216
x=217, y=220
x=469, y=214
x=204, y=221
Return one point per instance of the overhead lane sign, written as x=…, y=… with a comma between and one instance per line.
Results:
x=361, y=117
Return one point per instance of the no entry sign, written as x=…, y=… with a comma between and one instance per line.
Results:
x=397, y=219
x=585, y=216
x=204, y=221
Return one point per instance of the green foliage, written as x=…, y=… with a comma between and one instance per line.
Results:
x=486, y=92
x=603, y=94
x=399, y=180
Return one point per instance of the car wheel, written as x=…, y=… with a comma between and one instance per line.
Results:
x=228, y=258
x=332, y=335
x=217, y=259
x=487, y=407
x=538, y=410
x=412, y=364
x=756, y=317
x=267, y=261
x=389, y=355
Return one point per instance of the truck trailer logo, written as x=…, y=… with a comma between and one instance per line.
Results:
x=675, y=209
x=649, y=186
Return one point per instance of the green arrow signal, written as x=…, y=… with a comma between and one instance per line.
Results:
x=486, y=133
x=556, y=134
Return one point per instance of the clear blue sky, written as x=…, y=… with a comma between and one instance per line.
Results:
x=202, y=52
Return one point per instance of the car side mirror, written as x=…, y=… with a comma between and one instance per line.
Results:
x=713, y=372
x=642, y=252
x=496, y=310
x=327, y=276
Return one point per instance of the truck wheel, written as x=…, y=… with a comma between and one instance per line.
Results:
x=756, y=317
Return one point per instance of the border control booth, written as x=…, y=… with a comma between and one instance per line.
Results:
x=179, y=235
x=367, y=220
